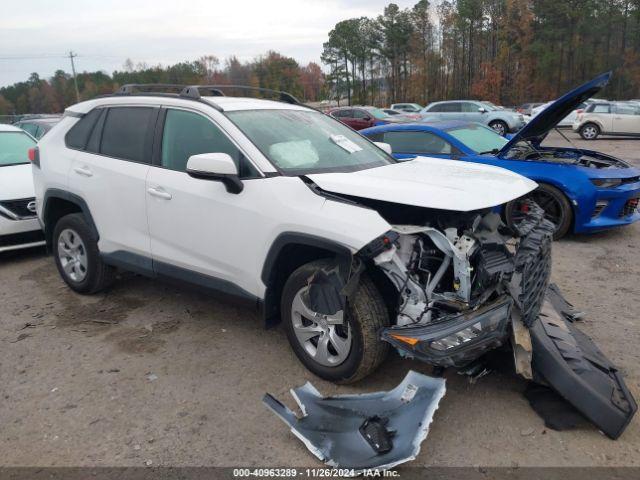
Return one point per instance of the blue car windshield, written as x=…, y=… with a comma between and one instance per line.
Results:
x=479, y=138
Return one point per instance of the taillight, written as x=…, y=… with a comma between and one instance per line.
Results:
x=34, y=156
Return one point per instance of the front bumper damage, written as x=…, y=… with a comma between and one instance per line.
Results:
x=372, y=431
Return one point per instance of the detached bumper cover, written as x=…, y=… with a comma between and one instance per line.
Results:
x=370, y=431
x=572, y=365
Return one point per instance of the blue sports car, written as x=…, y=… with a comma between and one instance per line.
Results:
x=580, y=190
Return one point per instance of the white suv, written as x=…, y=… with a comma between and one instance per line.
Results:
x=291, y=210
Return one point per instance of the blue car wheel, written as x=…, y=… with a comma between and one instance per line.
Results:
x=557, y=208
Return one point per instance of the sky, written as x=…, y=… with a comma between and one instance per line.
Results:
x=35, y=35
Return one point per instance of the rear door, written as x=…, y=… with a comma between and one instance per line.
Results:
x=110, y=175
x=602, y=115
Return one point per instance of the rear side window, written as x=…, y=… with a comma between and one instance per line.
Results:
x=600, y=109
x=446, y=107
x=343, y=114
x=78, y=135
x=127, y=133
x=417, y=142
x=188, y=133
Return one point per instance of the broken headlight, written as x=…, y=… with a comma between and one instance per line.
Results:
x=456, y=339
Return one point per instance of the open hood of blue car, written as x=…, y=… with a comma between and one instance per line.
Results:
x=537, y=129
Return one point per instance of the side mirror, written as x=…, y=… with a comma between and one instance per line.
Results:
x=384, y=146
x=367, y=119
x=215, y=166
x=482, y=110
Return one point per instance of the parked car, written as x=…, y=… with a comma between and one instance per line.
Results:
x=526, y=108
x=610, y=118
x=19, y=227
x=568, y=121
x=580, y=190
x=37, y=127
x=316, y=226
x=406, y=107
x=359, y=117
x=502, y=121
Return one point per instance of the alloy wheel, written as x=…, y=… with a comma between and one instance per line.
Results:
x=499, y=128
x=325, y=338
x=589, y=132
x=72, y=254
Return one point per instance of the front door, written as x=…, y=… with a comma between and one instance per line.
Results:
x=199, y=231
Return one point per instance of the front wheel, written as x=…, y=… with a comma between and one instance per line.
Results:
x=555, y=204
x=500, y=127
x=343, y=347
x=589, y=131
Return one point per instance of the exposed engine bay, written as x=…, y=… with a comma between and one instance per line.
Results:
x=570, y=156
x=458, y=285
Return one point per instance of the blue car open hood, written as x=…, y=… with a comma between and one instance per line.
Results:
x=537, y=129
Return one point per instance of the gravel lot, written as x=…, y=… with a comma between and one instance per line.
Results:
x=152, y=372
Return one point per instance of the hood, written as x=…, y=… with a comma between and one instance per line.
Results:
x=431, y=183
x=16, y=182
x=541, y=124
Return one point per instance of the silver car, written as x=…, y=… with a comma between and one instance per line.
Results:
x=502, y=121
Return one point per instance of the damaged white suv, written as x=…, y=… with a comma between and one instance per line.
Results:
x=285, y=207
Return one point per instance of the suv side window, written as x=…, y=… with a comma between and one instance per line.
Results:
x=417, y=142
x=188, y=133
x=600, y=108
x=440, y=107
x=78, y=135
x=126, y=133
x=468, y=107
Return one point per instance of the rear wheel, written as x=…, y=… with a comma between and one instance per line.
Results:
x=75, y=250
x=500, y=127
x=589, y=131
x=556, y=206
x=341, y=348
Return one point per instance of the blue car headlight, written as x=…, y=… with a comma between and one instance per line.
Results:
x=606, y=182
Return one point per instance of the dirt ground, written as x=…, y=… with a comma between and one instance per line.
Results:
x=149, y=372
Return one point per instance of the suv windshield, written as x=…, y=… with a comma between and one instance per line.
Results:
x=299, y=142
x=479, y=138
x=13, y=148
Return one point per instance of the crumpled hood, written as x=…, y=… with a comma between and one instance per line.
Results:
x=16, y=182
x=431, y=183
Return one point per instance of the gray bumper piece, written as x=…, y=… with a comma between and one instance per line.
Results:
x=376, y=430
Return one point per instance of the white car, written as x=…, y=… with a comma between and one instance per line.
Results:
x=291, y=210
x=19, y=227
x=567, y=121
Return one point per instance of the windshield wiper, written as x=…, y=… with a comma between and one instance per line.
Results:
x=493, y=151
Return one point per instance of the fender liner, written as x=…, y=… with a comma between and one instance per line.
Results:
x=72, y=198
x=270, y=271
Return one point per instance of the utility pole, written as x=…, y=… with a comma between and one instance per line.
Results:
x=73, y=69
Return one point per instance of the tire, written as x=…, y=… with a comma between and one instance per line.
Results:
x=589, y=131
x=500, y=127
x=553, y=201
x=75, y=250
x=366, y=314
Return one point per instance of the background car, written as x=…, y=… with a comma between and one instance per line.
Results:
x=406, y=107
x=359, y=117
x=526, y=108
x=502, y=121
x=19, y=227
x=619, y=118
x=580, y=190
x=37, y=127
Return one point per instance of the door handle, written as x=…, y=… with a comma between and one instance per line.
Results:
x=159, y=192
x=84, y=171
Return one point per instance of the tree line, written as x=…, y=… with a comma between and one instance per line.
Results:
x=272, y=70
x=504, y=51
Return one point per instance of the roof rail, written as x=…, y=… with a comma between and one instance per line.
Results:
x=193, y=91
